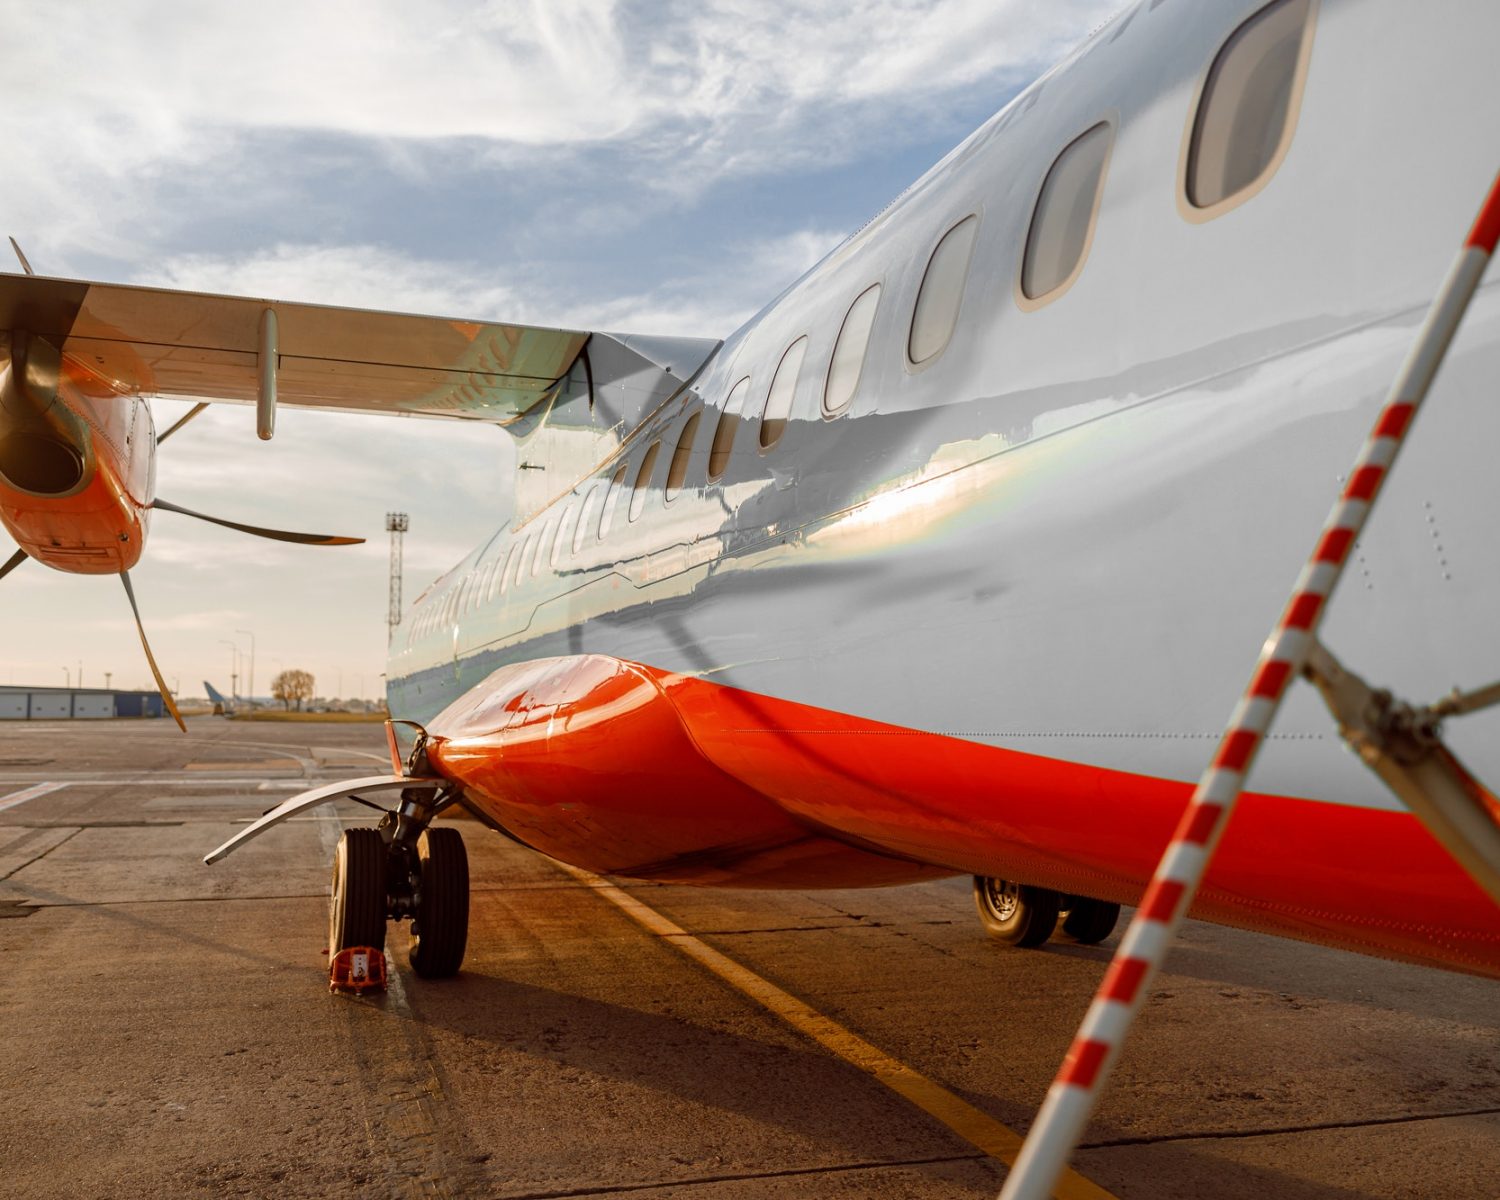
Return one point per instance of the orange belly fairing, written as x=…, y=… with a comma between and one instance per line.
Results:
x=626, y=770
x=586, y=760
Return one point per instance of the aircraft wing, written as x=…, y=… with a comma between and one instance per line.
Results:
x=154, y=341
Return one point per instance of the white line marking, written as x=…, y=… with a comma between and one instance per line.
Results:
x=295, y=785
x=30, y=793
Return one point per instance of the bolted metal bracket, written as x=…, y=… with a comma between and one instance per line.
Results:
x=1403, y=744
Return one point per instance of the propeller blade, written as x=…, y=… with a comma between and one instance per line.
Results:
x=11, y=563
x=25, y=266
x=180, y=422
x=161, y=684
x=279, y=535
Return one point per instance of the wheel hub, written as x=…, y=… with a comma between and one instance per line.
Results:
x=1003, y=897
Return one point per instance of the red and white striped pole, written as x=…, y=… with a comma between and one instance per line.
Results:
x=1071, y=1098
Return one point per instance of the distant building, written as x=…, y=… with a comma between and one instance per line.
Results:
x=19, y=703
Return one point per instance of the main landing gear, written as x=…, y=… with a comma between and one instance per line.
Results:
x=403, y=869
x=1027, y=916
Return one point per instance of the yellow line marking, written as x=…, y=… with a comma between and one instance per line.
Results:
x=975, y=1127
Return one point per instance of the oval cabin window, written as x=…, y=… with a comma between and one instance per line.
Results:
x=521, y=559
x=729, y=423
x=849, y=352
x=1063, y=221
x=611, y=499
x=779, y=398
x=510, y=557
x=643, y=480
x=677, y=473
x=1243, y=127
x=583, y=518
x=562, y=537
x=541, y=548
x=942, y=291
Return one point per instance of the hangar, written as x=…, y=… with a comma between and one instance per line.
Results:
x=21, y=703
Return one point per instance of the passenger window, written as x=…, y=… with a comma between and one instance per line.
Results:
x=942, y=292
x=521, y=559
x=729, y=423
x=1063, y=221
x=1246, y=116
x=677, y=472
x=583, y=518
x=849, y=352
x=642, y=479
x=541, y=549
x=510, y=556
x=611, y=500
x=562, y=536
x=779, y=398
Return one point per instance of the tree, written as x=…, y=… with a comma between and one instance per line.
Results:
x=292, y=685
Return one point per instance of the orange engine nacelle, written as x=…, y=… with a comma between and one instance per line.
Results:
x=77, y=462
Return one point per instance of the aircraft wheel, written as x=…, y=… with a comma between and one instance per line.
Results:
x=1089, y=922
x=1015, y=913
x=440, y=924
x=356, y=910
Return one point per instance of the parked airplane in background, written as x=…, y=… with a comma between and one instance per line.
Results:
x=954, y=558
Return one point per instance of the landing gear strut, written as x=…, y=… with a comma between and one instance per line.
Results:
x=1021, y=915
x=404, y=870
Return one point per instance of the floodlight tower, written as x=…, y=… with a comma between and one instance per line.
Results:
x=396, y=525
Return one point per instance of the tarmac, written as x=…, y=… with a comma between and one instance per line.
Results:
x=168, y=1029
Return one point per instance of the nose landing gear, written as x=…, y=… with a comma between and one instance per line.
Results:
x=1021, y=915
x=403, y=870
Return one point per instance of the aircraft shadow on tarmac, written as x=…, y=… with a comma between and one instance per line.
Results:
x=795, y=1086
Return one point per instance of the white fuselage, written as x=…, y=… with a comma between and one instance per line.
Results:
x=1068, y=532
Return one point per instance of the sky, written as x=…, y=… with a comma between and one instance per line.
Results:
x=647, y=167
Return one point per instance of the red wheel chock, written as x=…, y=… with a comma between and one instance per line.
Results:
x=357, y=969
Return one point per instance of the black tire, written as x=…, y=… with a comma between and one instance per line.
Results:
x=1015, y=913
x=356, y=909
x=1089, y=922
x=440, y=924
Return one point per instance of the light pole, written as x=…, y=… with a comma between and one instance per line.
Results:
x=251, y=636
x=234, y=668
x=108, y=675
x=67, y=679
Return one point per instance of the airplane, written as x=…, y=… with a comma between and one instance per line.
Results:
x=953, y=559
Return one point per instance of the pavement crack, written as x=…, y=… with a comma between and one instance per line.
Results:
x=46, y=850
x=1278, y=1130
x=149, y=900
x=700, y=1180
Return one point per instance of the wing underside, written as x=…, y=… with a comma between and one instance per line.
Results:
x=153, y=341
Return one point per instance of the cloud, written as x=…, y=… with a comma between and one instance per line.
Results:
x=651, y=166
x=217, y=96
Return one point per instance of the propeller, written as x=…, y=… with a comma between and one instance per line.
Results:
x=180, y=422
x=279, y=535
x=25, y=266
x=161, y=684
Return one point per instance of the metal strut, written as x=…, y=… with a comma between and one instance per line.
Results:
x=1404, y=746
x=1385, y=734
